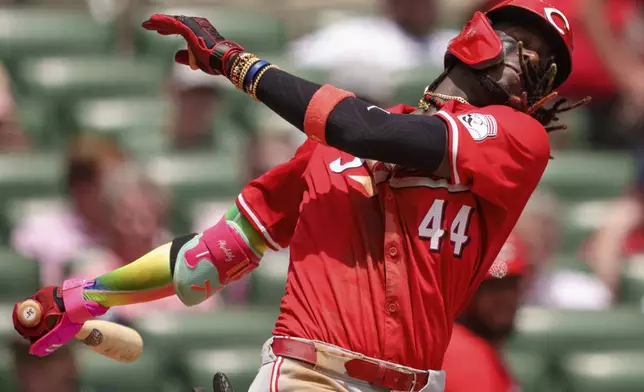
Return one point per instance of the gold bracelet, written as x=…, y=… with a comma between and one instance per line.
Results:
x=253, y=89
x=248, y=63
x=240, y=67
x=237, y=67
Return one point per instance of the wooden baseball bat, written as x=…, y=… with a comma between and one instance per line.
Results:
x=109, y=339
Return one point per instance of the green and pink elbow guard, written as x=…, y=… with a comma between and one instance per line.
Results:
x=210, y=260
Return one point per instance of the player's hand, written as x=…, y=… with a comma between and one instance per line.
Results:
x=207, y=49
x=55, y=328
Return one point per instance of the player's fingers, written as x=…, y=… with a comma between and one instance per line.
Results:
x=182, y=57
x=192, y=61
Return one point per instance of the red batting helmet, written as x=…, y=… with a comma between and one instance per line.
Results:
x=479, y=46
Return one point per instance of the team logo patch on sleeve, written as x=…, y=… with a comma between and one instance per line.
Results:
x=480, y=126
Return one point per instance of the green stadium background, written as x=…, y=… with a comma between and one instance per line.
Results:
x=74, y=74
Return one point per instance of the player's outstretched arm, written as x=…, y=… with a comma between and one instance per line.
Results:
x=325, y=113
x=193, y=267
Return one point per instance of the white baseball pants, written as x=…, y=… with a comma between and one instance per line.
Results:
x=280, y=374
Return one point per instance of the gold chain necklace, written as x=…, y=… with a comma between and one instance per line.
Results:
x=429, y=99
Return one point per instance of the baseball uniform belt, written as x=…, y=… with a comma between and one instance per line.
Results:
x=377, y=373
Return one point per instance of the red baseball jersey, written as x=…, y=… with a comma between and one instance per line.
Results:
x=383, y=259
x=473, y=364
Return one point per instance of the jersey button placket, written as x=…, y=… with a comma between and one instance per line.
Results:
x=393, y=280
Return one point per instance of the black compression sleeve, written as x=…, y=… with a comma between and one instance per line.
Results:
x=286, y=95
x=356, y=127
x=367, y=131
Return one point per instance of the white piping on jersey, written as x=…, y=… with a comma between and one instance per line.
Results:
x=259, y=224
x=411, y=182
x=453, y=128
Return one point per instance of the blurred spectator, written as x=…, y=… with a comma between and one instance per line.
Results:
x=274, y=142
x=137, y=209
x=473, y=361
x=197, y=99
x=615, y=30
x=52, y=237
x=540, y=229
x=12, y=136
x=54, y=373
x=620, y=235
x=407, y=30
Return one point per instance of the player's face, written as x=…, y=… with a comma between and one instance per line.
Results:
x=535, y=50
x=494, y=307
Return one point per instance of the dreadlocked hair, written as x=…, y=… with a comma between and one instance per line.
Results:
x=537, y=93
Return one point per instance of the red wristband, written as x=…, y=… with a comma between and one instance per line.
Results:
x=317, y=112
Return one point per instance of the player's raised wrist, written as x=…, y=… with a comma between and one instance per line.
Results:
x=246, y=71
x=76, y=306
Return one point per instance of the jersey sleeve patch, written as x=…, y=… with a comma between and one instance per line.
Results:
x=480, y=126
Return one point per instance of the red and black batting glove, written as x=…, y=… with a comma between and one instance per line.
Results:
x=210, y=50
x=53, y=310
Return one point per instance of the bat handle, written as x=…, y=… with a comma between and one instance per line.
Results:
x=29, y=313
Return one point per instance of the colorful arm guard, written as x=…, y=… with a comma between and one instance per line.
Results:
x=193, y=267
x=209, y=261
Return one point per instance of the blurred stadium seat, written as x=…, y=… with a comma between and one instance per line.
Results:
x=194, y=176
x=19, y=277
x=39, y=120
x=75, y=77
x=25, y=175
x=6, y=327
x=615, y=371
x=7, y=377
x=240, y=365
x=122, y=114
x=583, y=175
x=554, y=332
x=30, y=32
x=530, y=370
x=138, y=123
x=225, y=328
x=63, y=81
x=101, y=374
x=632, y=286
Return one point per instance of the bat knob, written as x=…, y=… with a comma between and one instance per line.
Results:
x=29, y=313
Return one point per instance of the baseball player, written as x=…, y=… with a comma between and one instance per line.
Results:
x=485, y=325
x=393, y=217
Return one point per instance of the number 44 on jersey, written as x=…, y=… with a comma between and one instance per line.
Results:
x=431, y=227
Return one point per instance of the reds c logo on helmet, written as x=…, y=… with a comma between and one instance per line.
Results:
x=549, y=20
